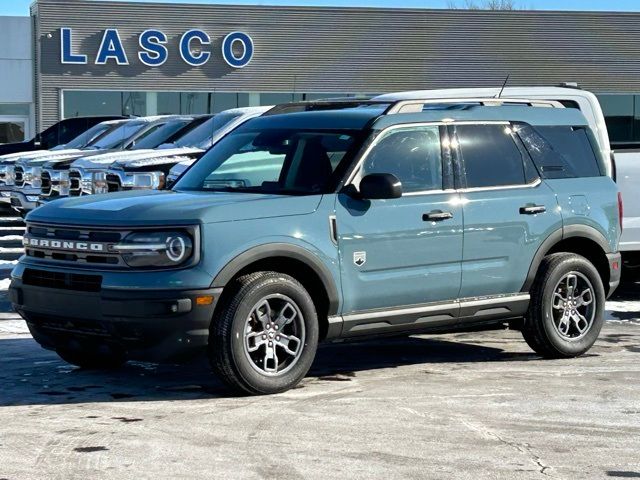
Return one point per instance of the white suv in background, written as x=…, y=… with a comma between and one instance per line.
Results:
x=623, y=166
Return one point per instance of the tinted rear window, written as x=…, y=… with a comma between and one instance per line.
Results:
x=561, y=151
x=491, y=157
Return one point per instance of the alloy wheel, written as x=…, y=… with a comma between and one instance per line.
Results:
x=274, y=335
x=573, y=308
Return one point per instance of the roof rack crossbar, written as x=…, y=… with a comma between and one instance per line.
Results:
x=417, y=105
x=405, y=106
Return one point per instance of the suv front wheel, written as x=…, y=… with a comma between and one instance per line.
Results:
x=567, y=307
x=265, y=337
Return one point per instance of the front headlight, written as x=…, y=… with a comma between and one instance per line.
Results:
x=10, y=176
x=155, y=249
x=145, y=181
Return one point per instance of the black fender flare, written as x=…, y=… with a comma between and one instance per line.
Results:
x=293, y=252
x=583, y=231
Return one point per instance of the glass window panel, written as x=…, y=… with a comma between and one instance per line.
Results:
x=168, y=103
x=619, y=116
x=134, y=103
x=636, y=119
x=275, y=98
x=224, y=101
x=561, y=152
x=490, y=155
x=413, y=155
x=86, y=103
x=11, y=132
x=320, y=96
x=194, y=103
x=243, y=100
x=14, y=109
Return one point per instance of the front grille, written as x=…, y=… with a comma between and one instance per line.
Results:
x=63, y=281
x=75, y=183
x=113, y=183
x=45, y=177
x=19, y=175
x=62, y=234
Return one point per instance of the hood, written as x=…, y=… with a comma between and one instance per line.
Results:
x=164, y=207
x=13, y=157
x=63, y=162
x=53, y=158
x=138, y=158
x=164, y=157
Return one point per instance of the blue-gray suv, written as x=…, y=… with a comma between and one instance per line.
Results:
x=329, y=221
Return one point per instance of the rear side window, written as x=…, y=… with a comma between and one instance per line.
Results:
x=561, y=151
x=490, y=156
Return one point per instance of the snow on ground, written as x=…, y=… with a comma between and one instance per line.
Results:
x=4, y=284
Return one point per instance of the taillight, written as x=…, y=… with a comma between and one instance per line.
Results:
x=620, y=209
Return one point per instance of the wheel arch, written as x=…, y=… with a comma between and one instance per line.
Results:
x=580, y=239
x=300, y=263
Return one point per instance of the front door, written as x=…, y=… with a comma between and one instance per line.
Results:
x=402, y=253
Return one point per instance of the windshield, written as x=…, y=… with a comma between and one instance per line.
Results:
x=201, y=137
x=116, y=138
x=293, y=162
x=161, y=134
x=86, y=137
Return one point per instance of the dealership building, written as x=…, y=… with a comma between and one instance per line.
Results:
x=90, y=57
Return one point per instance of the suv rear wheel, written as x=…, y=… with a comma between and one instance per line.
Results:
x=567, y=307
x=265, y=337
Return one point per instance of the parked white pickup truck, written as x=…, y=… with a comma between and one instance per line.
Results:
x=624, y=166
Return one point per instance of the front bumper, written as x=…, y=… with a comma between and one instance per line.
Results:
x=146, y=325
x=615, y=270
x=25, y=201
x=5, y=194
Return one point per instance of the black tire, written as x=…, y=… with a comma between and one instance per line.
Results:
x=92, y=360
x=228, y=353
x=540, y=330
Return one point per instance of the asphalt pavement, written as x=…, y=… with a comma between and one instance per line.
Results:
x=476, y=405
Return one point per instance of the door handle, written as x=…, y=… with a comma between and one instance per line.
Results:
x=436, y=216
x=532, y=209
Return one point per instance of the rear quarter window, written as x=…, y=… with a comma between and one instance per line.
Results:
x=562, y=151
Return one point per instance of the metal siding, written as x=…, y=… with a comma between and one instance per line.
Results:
x=343, y=49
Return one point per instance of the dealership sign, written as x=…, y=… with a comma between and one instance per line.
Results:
x=237, y=48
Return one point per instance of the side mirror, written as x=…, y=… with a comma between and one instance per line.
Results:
x=378, y=186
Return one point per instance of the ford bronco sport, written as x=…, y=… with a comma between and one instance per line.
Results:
x=326, y=221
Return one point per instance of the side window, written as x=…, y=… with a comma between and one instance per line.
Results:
x=490, y=156
x=412, y=154
x=561, y=151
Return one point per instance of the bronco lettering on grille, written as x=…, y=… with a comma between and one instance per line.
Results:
x=63, y=244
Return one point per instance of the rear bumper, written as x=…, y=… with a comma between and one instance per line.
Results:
x=615, y=270
x=145, y=325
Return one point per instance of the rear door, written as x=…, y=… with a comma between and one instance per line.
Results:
x=405, y=251
x=508, y=210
